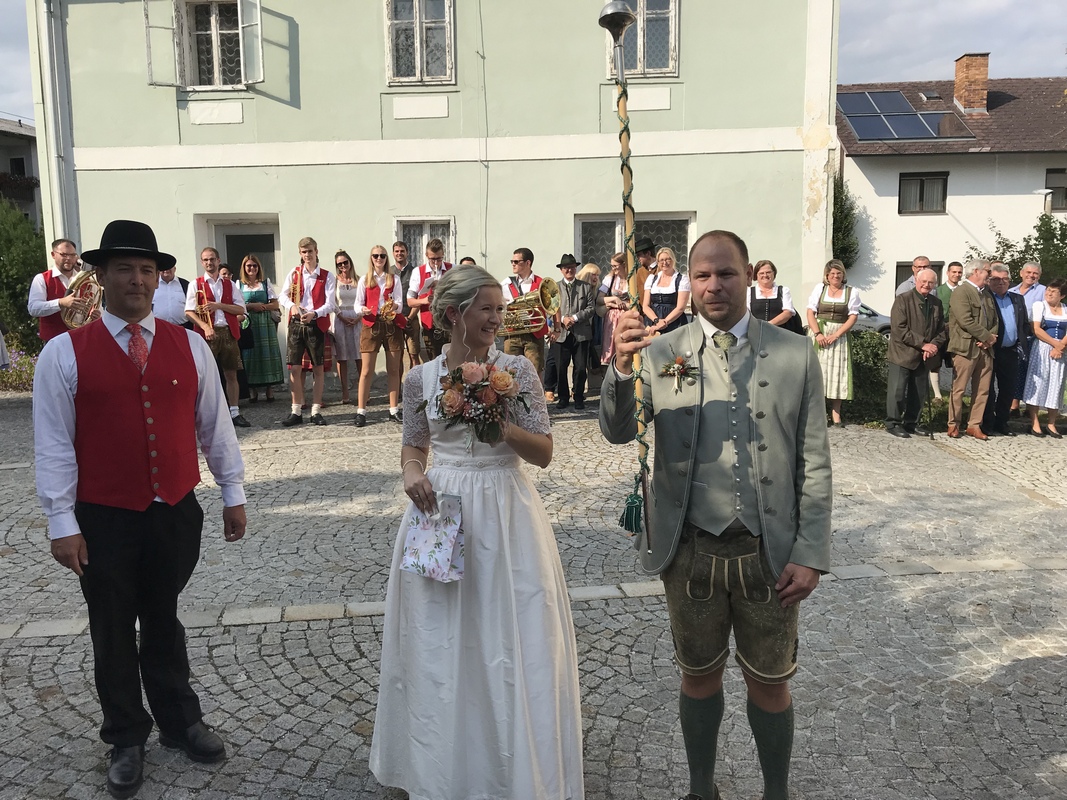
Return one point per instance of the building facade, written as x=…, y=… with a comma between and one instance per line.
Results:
x=19, y=169
x=934, y=164
x=248, y=125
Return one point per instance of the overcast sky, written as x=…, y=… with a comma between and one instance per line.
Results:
x=879, y=41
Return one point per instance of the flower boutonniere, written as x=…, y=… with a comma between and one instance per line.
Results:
x=679, y=368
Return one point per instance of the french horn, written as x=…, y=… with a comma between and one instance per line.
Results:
x=85, y=287
x=530, y=313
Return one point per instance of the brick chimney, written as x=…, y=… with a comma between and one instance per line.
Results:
x=972, y=83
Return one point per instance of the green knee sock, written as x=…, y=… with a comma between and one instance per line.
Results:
x=700, y=729
x=773, y=733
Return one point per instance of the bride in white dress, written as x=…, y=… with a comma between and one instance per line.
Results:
x=478, y=697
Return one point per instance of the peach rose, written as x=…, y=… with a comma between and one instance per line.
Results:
x=504, y=383
x=486, y=395
x=474, y=373
x=452, y=401
x=446, y=382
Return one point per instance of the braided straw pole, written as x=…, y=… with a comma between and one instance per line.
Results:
x=635, y=502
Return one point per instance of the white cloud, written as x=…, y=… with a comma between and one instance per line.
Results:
x=16, y=96
x=921, y=39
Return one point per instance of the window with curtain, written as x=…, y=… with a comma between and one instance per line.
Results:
x=420, y=41
x=650, y=45
x=922, y=193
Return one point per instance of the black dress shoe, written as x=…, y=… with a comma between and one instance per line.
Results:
x=917, y=430
x=1039, y=434
x=579, y=405
x=317, y=419
x=563, y=404
x=241, y=422
x=126, y=773
x=899, y=432
x=361, y=420
x=198, y=742
x=293, y=419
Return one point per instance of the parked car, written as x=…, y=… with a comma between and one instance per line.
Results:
x=871, y=320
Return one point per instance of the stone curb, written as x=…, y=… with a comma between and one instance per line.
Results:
x=237, y=617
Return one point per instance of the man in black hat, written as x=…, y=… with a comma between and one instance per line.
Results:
x=119, y=405
x=577, y=306
x=645, y=250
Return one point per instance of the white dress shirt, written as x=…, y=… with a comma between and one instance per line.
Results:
x=306, y=301
x=217, y=285
x=361, y=294
x=38, y=304
x=525, y=287
x=55, y=384
x=169, y=301
x=415, y=288
x=652, y=284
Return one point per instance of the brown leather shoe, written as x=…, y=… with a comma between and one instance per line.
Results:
x=953, y=432
x=976, y=432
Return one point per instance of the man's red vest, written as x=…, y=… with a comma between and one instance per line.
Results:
x=51, y=326
x=372, y=301
x=318, y=293
x=227, y=298
x=134, y=434
x=535, y=284
x=425, y=315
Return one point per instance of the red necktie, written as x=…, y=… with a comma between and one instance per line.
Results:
x=138, y=346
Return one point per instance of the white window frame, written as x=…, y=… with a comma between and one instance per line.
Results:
x=419, y=257
x=449, y=79
x=688, y=217
x=638, y=30
x=169, y=44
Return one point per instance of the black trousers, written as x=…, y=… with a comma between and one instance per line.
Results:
x=571, y=352
x=1002, y=389
x=139, y=562
x=905, y=394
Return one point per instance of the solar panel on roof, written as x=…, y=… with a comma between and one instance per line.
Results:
x=870, y=127
x=908, y=126
x=855, y=103
x=890, y=102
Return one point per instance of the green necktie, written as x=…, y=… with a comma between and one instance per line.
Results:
x=724, y=340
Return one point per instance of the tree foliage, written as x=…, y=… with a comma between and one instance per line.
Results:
x=22, y=251
x=846, y=244
x=1047, y=245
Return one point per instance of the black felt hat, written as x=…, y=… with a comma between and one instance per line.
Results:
x=567, y=261
x=643, y=244
x=125, y=237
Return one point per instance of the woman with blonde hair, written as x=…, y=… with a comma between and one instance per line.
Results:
x=833, y=309
x=666, y=294
x=478, y=694
x=590, y=273
x=346, y=322
x=380, y=303
x=615, y=297
x=263, y=362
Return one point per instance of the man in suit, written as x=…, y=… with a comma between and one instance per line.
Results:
x=742, y=475
x=916, y=337
x=577, y=306
x=972, y=331
x=119, y=406
x=1009, y=351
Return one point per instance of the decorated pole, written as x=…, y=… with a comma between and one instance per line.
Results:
x=616, y=17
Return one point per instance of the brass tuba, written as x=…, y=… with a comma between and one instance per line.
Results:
x=530, y=313
x=86, y=287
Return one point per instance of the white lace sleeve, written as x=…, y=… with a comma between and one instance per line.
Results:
x=416, y=426
x=536, y=419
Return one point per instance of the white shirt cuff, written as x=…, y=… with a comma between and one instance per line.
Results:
x=63, y=525
x=233, y=495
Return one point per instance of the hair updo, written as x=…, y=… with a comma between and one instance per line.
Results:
x=458, y=288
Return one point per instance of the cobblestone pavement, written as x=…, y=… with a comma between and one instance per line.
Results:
x=933, y=658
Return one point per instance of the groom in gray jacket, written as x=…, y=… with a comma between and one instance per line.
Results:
x=739, y=505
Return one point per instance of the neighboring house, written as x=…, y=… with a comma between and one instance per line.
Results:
x=489, y=124
x=18, y=167
x=933, y=163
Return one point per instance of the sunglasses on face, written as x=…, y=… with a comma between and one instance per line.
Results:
x=378, y=255
x=345, y=263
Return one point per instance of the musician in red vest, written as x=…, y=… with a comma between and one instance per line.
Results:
x=214, y=304
x=380, y=301
x=420, y=294
x=523, y=281
x=48, y=291
x=119, y=405
x=308, y=297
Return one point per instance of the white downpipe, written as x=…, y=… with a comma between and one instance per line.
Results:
x=56, y=171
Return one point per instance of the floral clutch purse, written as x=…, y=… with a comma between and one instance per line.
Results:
x=433, y=547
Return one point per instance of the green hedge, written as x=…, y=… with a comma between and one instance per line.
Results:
x=869, y=378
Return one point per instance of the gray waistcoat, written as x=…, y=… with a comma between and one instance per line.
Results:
x=723, y=480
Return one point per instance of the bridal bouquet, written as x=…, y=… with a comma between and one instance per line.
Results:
x=481, y=396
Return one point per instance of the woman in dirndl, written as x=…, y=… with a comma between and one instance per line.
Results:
x=616, y=298
x=346, y=323
x=1046, y=370
x=263, y=362
x=666, y=295
x=770, y=302
x=833, y=309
